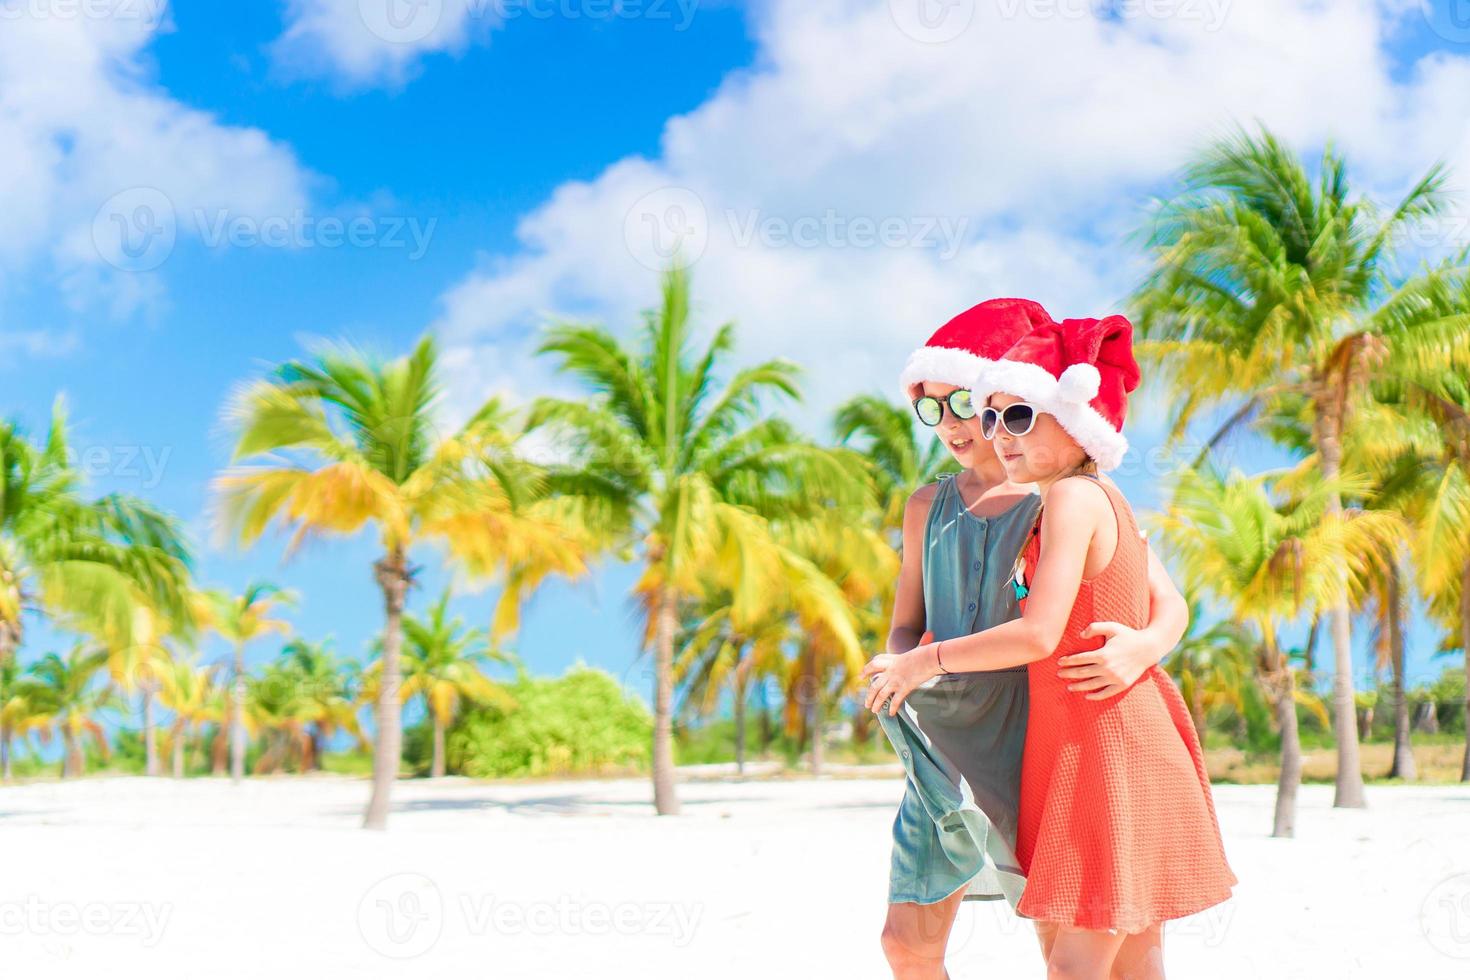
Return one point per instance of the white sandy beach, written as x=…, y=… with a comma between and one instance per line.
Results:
x=132, y=877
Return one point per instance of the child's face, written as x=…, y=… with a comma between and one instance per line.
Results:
x=960, y=436
x=1039, y=455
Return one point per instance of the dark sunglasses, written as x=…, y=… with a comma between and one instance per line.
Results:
x=931, y=410
x=1018, y=418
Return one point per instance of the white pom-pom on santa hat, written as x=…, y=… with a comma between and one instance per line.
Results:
x=1079, y=384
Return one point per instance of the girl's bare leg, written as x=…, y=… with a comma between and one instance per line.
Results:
x=1046, y=932
x=1141, y=956
x=1082, y=954
x=914, y=937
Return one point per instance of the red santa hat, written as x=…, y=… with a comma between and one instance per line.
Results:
x=1079, y=371
x=975, y=338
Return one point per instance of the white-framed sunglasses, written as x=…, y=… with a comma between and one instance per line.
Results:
x=1017, y=417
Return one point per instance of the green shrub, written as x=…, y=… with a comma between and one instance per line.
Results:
x=578, y=724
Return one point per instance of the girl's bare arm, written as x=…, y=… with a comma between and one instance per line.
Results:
x=909, y=617
x=1074, y=512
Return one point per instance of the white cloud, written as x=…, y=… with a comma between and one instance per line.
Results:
x=364, y=42
x=103, y=165
x=38, y=343
x=1037, y=135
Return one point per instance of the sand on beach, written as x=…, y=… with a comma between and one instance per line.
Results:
x=125, y=877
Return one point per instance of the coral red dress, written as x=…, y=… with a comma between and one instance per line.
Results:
x=1117, y=826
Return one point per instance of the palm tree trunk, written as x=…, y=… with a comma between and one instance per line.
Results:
x=818, y=723
x=1197, y=711
x=10, y=636
x=437, y=769
x=814, y=710
x=862, y=724
x=1465, y=643
x=1283, y=686
x=237, y=716
x=767, y=732
x=1310, y=654
x=218, y=749
x=5, y=772
x=318, y=746
x=1403, y=750
x=151, y=765
x=1349, y=791
x=392, y=576
x=180, y=737
x=739, y=724
x=71, y=759
x=665, y=802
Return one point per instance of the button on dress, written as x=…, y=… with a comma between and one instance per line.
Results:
x=960, y=736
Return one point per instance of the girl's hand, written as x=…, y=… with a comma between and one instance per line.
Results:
x=1110, y=670
x=891, y=676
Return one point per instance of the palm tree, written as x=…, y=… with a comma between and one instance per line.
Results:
x=1386, y=588
x=759, y=593
x=1267, y=285
x=883, y=433
x=1418, y=447
x=189, y=691
x=74, y=700
x=718, y=655
x=1212, y=665
x=65, y=556
x=898, y=459
x=278, y=708
x=1267, y=563
x=847, y=547
x=444, y=662
x=23, y=710
x=673, y=462
x=239, y=620
x=350, y=441
x=330, y=689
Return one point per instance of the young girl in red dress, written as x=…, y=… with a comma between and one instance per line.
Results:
x=1117, y=829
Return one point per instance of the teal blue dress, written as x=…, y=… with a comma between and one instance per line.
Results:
x=960, y=735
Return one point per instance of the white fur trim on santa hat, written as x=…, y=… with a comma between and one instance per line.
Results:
x=947, y=365
x=1061, y=397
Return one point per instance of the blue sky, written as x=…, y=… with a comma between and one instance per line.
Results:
x=525, y=145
